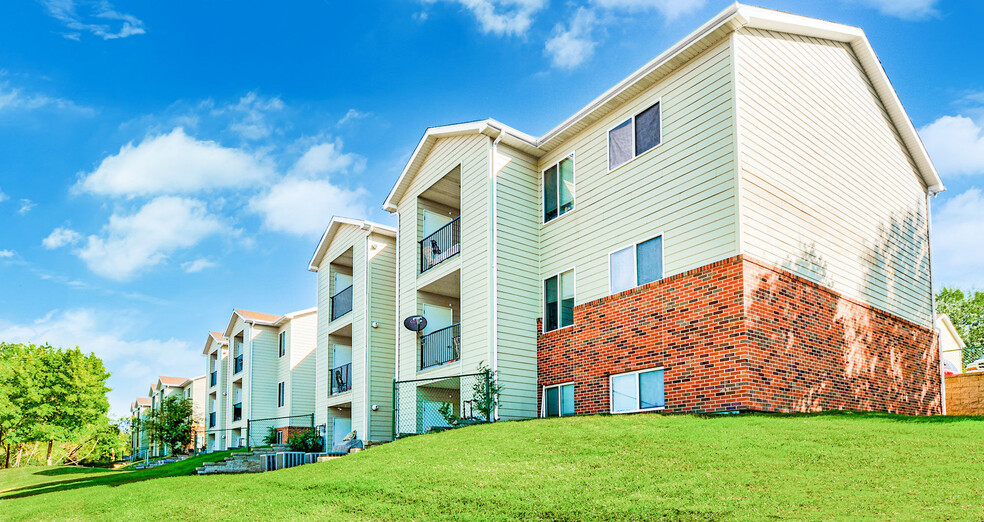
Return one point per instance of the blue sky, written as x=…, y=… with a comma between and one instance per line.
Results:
x=164, y=162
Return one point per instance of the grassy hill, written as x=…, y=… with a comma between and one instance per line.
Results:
x=592, y=467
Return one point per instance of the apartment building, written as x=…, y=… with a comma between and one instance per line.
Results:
x=216, y=352
x=741, y=224
x=356, y=266
x=182, y=388
x=139, y=442
x=271, y=372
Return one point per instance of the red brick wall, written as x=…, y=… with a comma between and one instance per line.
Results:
x=737, y=335
x=690, y=323
x=812, y=349
x=290, y=431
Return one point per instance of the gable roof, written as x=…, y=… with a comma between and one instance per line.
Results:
x=262, y=319
x=727, y=21
x=214, y=337
x=943, y=322
x=172, y=381
x=334, y=225
x=143, y=401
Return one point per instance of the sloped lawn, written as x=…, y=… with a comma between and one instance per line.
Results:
x=594, y=467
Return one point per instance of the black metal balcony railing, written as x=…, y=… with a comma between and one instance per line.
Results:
x=238, y=364
x=442, y=346
x=237, y=411
x=211, y=420
x=341, y=302
x=440, y=245
x=341, y=379
x=214, y=379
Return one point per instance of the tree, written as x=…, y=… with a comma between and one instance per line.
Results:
x=49, y=394
x=171, y=424
x=966, y=312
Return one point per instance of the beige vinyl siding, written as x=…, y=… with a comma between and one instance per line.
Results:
x=855, y=219
x=301, y=343
x=239, y=327
x=518, y=207
x=382, y=354
x=471, y=152
x=684, y=188
x=261, y=374
x=345, y=238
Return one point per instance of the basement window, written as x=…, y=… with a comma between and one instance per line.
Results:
x=635, y=265
x=638, y=391
x=558, y=401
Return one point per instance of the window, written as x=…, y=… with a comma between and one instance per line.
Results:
x=558, y=298
x=558, y=401
x=558, y=189
x=283, y=343
x=280, y=437
x=634, y=136
x=636, y=265
x=280, y=394
x=638, y=391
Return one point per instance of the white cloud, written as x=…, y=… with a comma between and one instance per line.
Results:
x=132, y=359
x=957, y=248
x=25, y=206
x=503, y=17
x=3, y=197
x=327, y=158
x=97, y=17
x=956, y=144
x=252, y=111
x=353, y=115
x=129, y=244
x=60, y=237
x=192, y=267
x=669, y=8
x=572, y=46
x=304, y=206
x=6, y=254
x=905, y=9
x=14, y=98
x=173, y=164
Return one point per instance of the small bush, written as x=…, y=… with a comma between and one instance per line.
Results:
x=307, y=441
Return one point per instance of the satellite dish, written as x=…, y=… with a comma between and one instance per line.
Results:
x=415, y=323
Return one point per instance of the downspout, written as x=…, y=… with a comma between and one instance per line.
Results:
x=495, y=262
x=367, y=321
x=249, y=331
x=932, y=192
x=396, y=366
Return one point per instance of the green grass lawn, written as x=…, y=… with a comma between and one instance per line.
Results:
x=592, y=467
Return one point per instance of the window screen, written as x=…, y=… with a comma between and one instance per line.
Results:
x=647, y=129
x=550, y=194
x=622, y=270
x=620, y=145
x=625, y=396
x=651, y=390
x=550, y=298
x=553, y=402
x=558, y=301
x=558, y=400
x=565, y=187
x=649, y=260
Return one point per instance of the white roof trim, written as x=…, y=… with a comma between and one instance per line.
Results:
x=735, y=15
x=333, y=226
x=945, y=321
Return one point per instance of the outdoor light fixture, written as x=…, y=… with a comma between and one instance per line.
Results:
x=375, y=407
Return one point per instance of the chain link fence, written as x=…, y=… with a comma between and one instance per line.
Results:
x=440, y=403
x=276, y=430
x=968, y=359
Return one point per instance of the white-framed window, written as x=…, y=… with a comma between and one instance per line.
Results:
x=281, y=393
x=635, y=136
x=558, y=301
x=635, y=265
x=558, y=400
x=283, y=343
x=558, y=189
x=280, y=437
x=637, y=391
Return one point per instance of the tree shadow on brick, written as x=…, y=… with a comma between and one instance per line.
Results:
x=813, y=349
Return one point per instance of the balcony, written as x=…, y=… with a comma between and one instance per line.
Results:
x=341, y=379
x=440, y=347
x=238, y=365
x=214, y=378
x=440, y=246
x=211, y=420
x=237, y=411
x=341, y=303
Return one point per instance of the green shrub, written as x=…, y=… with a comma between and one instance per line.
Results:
x=307, y=441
